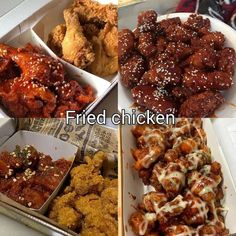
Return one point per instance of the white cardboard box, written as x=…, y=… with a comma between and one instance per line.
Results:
x=133, y=185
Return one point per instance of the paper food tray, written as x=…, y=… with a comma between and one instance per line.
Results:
x=7, y=128
x=87, y=144
x=228, y=108
x=46, y=144
x=35, y=30
x=226, y=132
x=133, y=185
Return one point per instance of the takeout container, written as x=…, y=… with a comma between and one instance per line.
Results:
x=7, y=128
x=56, y=148
x=48, y=145
x=228, y=108
x=35, y=30
x=133, y=187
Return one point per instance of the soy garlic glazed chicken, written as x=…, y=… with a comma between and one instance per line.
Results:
x=186, y=183
x=175, y=67
x=33, y=84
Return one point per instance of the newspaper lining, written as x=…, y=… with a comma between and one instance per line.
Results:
x=88, y=138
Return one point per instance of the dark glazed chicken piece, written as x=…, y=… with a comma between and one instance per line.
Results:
x=227, y=60
x=178, y=51
x=179, y=33
x=125, y=44
x=162, y=74
x=201, y=105
x=146, y=44
x=147, y=21
x=198, y=81
x=132, y=71
x=213, y=39
x=156, y=100
x=169, y=23
x=198, y=24
x=203, y=58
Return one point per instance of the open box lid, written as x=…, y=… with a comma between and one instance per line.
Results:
x=7, y=128
x=18, y=11
x=225, y=130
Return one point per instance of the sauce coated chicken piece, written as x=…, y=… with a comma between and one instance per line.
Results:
x=227, y=60
x=198, y=24
x=188, y=185
x=162, y=75
x=36, y=85
x=170, y=176
x=198, y=81
x=154, y=99
x=132, y=71
x=142, y=224
x=152, y=201
x=147, y=21
x=146, y=44
x=30, y=183
x=35, y=66
x=203, y=58
x=179, y=230
x=201, y=105
x=125, y=44
x=196, y=211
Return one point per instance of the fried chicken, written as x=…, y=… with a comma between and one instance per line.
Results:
x=105, y=47
x=76, y=49
x=56, y=38
x=33, y=84
x=90, y=200
x=89, y=38
x=94, y=12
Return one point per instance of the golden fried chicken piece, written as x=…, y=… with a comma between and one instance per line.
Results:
x=55, y=39
x=109, y=36
x=96, y=201
x=63, y=212
x=109, y=198
x=76, y=49
x=103, y=222
x=86, y=178
x=87, y=204
x=92, y=11
x=69, y=218
x=106, y=52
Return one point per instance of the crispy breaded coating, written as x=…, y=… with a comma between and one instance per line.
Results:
x=56, y=37
x=94, y=12
x=86, y=178
x=110, y=183
x=103, y=222
x=69, y=217
x=60, y=202
x=87, y=204
x=76, y=48
x=63, y=212
x=90, y=199
x=109, y=198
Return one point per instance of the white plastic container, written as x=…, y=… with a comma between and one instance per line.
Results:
x=226, y=110
x=133, y=187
